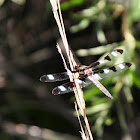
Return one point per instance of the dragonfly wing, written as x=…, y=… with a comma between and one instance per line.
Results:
x=55, y=77
x=111, y=71
x=93, y=79
x=67, y=87
x=108, y=58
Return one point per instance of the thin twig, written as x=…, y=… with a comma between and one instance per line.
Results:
x=86, y=135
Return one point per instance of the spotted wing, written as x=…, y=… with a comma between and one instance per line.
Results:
x=111, y=71
x=108, y=72
x=108, y=58
x=67, y=87
x=55, y=77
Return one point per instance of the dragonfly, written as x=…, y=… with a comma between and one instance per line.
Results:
x=89, y=74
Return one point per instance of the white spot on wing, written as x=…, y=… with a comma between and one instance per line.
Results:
x=101, y=61
x=114, y=54
x=68, y=73
x=106, y=71
x=62, y=88
x=50, y=77
x=97, y=76
x=121, y=66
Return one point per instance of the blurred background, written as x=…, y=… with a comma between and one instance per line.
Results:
x=28, y=37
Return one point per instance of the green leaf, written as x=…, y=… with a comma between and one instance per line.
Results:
x=138, y=44
x=134, y=14
x=72, y=3
x=100, y=101
x=91, y=93
x=1, y=2
x=76, y=2
x=82, y=25
x=136, y=79
x=98, y=108
x=20, y=2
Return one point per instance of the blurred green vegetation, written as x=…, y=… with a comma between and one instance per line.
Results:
x=104, y=15
x=28, y=36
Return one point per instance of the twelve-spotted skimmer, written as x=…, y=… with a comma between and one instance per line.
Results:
x=88, y=74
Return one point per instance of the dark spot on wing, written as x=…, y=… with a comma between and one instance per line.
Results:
x=96, y=69
x=128, y=64
x=107, y=58
x=99, y=71
x=113, y=68
x=120, y=51
x=95, y=64
x=55, y=91
x=43, y=78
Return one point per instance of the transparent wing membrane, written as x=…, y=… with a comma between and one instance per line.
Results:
x=67, y=87
x=108, y=58
x=111, y=71
x=55, y=77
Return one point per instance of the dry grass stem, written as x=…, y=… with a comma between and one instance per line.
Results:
x=82, y=133
x=86, y=132
x=64, y=62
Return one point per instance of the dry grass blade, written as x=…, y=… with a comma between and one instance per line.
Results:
x=86, y=134
x=82, y=133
